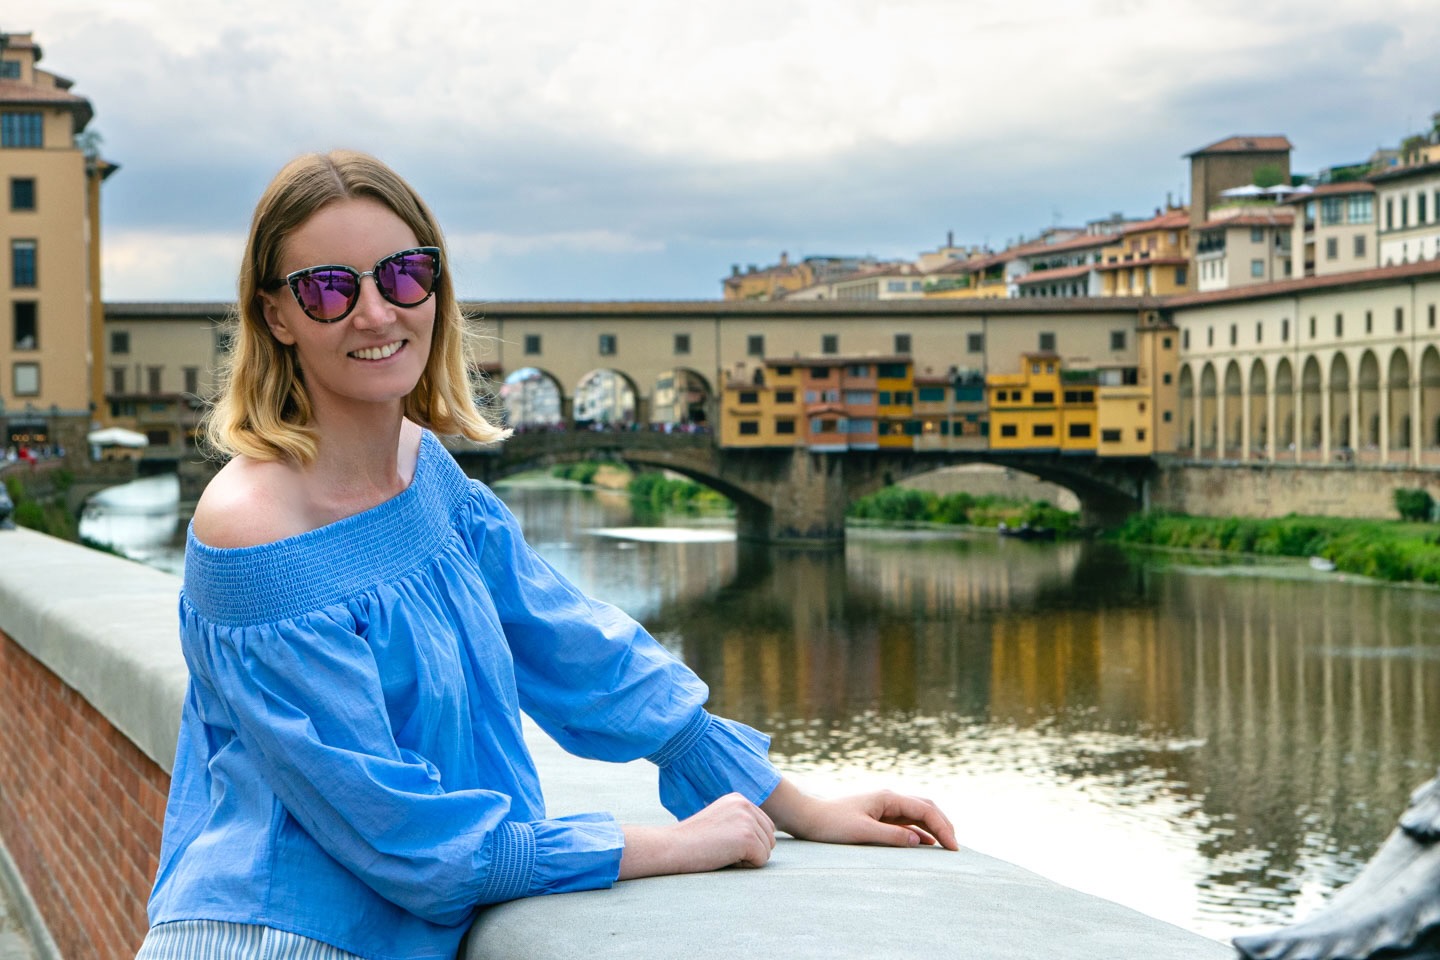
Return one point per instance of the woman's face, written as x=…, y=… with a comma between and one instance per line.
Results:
x=375, y=355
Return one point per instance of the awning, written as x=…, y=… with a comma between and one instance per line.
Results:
x=116, y=437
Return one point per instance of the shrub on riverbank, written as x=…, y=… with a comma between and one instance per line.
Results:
x=44, y=513
x=582, y=472
x=906, y=505
x=1385, y=549
x=659, y=493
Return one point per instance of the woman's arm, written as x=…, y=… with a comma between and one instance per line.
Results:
x=882, y=817
x=732, y=831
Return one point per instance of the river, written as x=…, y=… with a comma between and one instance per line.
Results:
x=1220, y=746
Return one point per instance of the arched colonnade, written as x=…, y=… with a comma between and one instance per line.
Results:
x=1377, y=405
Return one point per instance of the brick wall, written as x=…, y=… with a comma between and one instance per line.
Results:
x=80, y=811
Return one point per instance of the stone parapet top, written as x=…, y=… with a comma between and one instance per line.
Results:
x=104, y=625
x=108, y=628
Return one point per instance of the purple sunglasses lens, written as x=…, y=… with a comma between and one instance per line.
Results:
x=407, y=279
x=327, y=294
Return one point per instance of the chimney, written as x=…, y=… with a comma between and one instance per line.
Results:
x=949, y=238
x=784, y=258
x=734, y=269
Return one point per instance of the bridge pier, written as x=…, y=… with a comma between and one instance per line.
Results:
x=803, y=502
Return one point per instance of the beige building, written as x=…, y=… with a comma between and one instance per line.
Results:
x=1406, y=201
x=890, y=281
x=1335, y=231
x=769, y=283
x=159, y=363
x=50, y=301
x=1241, y=246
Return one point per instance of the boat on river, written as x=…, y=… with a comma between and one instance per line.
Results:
x=1323, y=564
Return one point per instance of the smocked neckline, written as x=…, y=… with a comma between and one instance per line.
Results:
x=330, y=564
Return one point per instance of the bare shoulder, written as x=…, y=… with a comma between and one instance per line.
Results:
x=249, y=503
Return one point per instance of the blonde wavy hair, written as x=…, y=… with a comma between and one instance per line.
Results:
x=262, y=409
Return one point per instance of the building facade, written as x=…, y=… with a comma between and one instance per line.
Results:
x=1321, y=370
x=1335, y=230
x=1243, y=246
x=1406, y=199
x=1151, y=258
x=50, y=302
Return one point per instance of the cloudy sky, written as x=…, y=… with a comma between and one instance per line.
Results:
x=606, y=150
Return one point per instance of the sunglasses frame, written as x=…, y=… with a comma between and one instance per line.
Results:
x=292, y=280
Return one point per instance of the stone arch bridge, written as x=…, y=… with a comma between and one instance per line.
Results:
x=793, y=494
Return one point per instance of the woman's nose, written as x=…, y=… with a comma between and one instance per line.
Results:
x=371, y=309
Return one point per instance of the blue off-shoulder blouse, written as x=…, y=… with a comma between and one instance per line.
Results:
x=351, y=766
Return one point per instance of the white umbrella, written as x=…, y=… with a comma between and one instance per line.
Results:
x=117, y=437
x=1249, y=190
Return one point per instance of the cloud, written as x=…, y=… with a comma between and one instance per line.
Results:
x=564, y=142
x=166, y=265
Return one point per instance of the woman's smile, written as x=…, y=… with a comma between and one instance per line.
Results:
x=378, y=353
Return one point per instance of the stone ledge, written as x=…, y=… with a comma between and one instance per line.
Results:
x=811, y=901
x=105, y=626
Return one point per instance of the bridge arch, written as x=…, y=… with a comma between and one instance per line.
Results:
x=1430, y=397
x=1284, y=404
x=1312, y=410
x=533, y=399
x=1209, y=412
x=684, y=397
x=1397, y=406
x=1234, y=412
x=1367, y=382
x=1258, y=409
x=606, y=398
x=1187, y=412
x=1340, y=426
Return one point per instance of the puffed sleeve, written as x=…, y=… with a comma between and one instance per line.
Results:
x=598, y=683
x=303, y=702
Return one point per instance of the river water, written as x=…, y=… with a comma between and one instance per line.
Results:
x=1218, y=746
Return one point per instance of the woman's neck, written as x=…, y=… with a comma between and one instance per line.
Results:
x=363, y=461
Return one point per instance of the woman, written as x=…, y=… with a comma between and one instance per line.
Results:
x=363, y=626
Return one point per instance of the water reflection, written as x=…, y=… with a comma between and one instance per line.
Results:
x=1217, y=749
x=141, y=519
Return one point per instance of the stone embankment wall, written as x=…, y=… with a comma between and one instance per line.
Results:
x=1276, y=489
x=91, y=684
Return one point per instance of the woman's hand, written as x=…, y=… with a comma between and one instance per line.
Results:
x=732, y=831
x=883, y=817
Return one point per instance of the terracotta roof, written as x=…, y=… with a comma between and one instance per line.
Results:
x=1059, y=273
x=883, y=270
x=1400, y=173
x=1171, y=220
x=1330, y=190
x=973, y=265
x=1143, y=262
x=1285, y=288
x=1278, y=218
x=15, y=92
x=1074, y=243
x=1263, y=143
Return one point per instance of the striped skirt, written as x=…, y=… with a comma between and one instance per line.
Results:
x=220, y=940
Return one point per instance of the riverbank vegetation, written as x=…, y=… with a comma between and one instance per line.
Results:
x=904, y=505
x=1394, y=550
x=651, y=491
x=44, y=510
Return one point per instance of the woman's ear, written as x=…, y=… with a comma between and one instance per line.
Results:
x=274, y=318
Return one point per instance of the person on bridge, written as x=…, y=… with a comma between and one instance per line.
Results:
x=364, y=625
